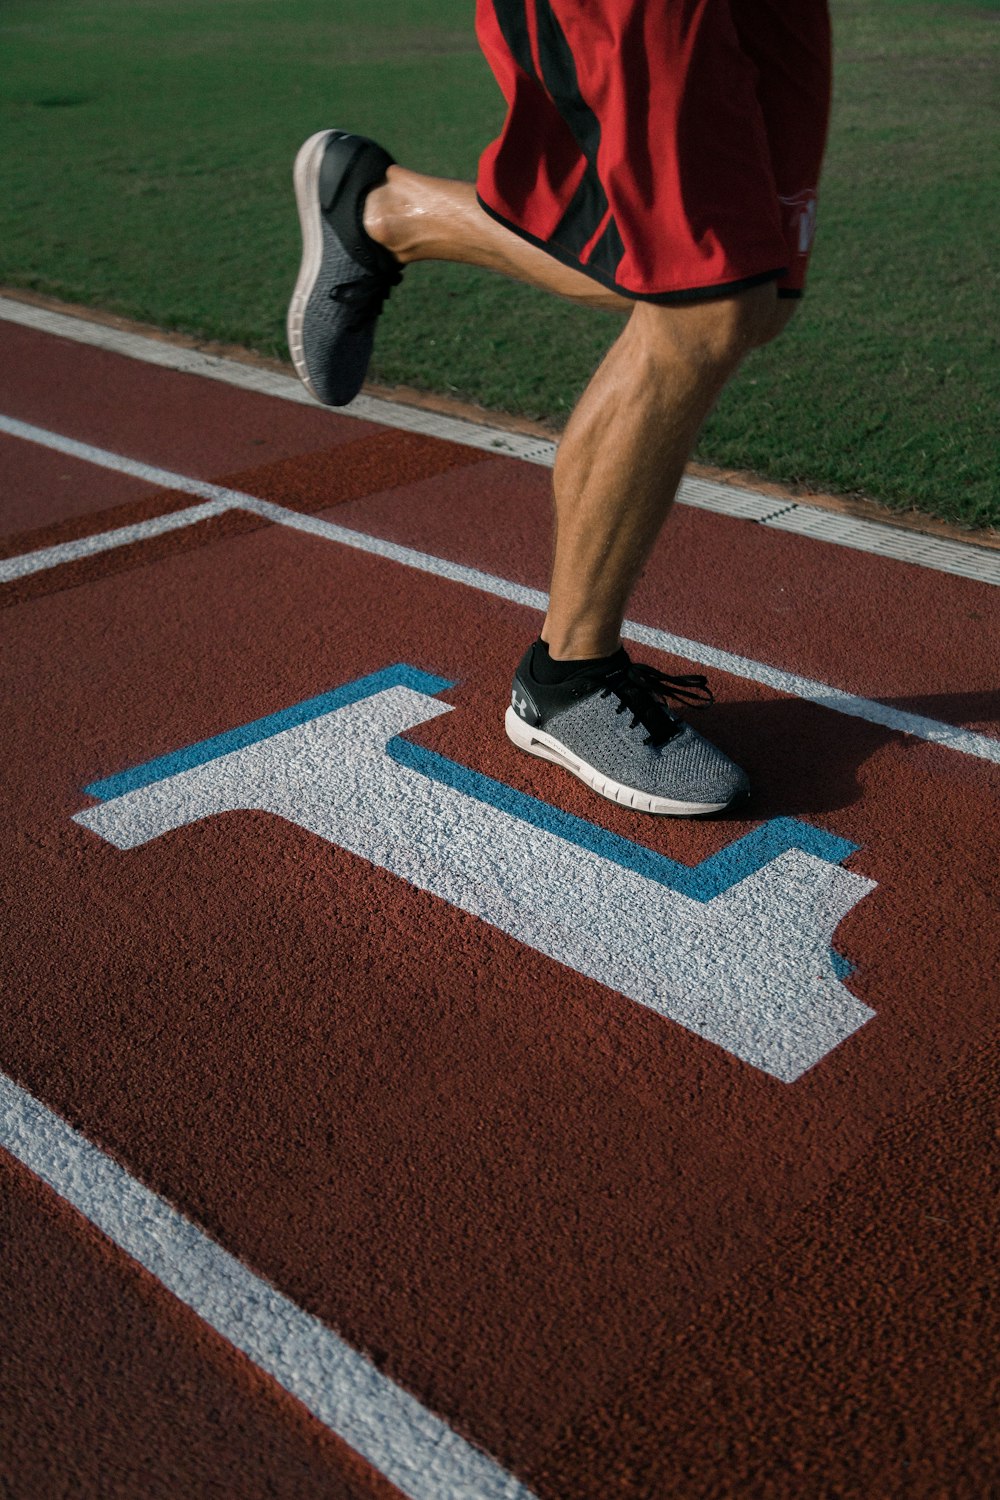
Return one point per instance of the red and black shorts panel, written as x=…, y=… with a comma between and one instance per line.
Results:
x=670, y=149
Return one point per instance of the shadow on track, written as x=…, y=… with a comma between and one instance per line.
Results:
x=802, y=761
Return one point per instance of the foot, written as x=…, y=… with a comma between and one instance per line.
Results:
x=613, y=731
x=345, y=275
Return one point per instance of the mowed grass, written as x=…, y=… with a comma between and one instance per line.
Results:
x=146, y=169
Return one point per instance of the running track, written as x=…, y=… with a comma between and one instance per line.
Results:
x=383, y=1112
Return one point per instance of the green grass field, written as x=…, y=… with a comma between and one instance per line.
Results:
x=147, y=147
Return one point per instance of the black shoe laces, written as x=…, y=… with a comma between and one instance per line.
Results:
x=365, y=297
x=643, y=692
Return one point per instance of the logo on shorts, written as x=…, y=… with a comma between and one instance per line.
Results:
x=800, y=219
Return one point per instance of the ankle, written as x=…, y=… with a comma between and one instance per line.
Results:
x=550, y=670
x=385, y=215
x=577, y=644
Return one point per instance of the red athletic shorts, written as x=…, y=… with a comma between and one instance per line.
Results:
x=668, y=148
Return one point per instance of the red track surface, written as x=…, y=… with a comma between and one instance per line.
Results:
x=620, y=1260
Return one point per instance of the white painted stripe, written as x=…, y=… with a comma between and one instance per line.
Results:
x=412, y=1447
x=948, y=735
x=105, y=541
x=164, y=479
x=750, y=970
x=217, y=499
x=951, y=736
x=966, y=560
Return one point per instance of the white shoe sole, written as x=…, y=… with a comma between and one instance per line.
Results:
x=306, y=180
x=537, y=742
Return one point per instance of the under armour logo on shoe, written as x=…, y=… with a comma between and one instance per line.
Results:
x=520, y=705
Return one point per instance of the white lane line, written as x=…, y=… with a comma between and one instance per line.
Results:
x=965, y=559
x=936, y=732
x=163, y=479
x=104, y=541
x=412, y=1447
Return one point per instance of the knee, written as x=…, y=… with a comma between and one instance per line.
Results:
x=715, y=335
x=732, y=326
x=762, y=315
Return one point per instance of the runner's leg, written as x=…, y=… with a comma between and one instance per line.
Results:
x=433, y=218
x=624, y=450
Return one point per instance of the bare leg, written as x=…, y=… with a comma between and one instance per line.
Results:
x=624, y=450
x=433, y=218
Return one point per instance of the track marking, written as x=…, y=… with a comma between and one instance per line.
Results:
x=749, y=967
x=965, y=559
x=412, y=1447
x=934, y=731
x=106, y=541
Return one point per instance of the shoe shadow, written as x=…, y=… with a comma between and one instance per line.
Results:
x=801, y=760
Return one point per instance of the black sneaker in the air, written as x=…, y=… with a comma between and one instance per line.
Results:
x=345, y=276
x=611, y=728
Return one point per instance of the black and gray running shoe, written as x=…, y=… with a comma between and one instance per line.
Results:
x=613, y=730
x=345, y=276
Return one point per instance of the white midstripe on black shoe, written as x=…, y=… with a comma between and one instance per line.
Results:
x=611, y=729
x=345, y=276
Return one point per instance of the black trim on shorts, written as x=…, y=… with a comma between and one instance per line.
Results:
x=562, y=82
x=687, y=294
x=589, y=205
x=512, y=19
x=584, y=212
x=609, y=252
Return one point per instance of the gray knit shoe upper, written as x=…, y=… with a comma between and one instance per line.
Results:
x=614, y=732
x=345, y=276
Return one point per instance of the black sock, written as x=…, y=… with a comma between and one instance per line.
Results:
x=546, y=670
